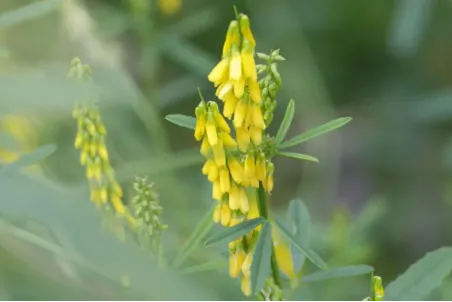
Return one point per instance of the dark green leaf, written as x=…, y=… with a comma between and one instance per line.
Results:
x=298, y=156
x=195, y=239
x=260, y=266
x=31, y=158
x=182, y=120
x=285, y=124
x=422, y=277
x=203, y=267
x=315, y=132
x=338, y=272
x=27, y=13
x=226, y=235
x=302, y=247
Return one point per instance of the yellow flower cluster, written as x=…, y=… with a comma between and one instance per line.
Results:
x=236, y=166
x=235, y=77
x=90, y=140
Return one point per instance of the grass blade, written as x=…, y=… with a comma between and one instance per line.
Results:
x=226, y=235
x=286, y=122
x=317, y=131
x=27, y=13
x=204, y=267
x=299, y=156
x=260, y=267
x=182, y=120
x=195, y=239
x=338, y=272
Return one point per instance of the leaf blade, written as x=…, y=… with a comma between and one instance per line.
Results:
x=181, y=120
x=227, y=235
x=421, y=277
x=299, y=156
x=338, y=272
x=194, y=240
x=286, y=122
x=314, y=132
x=260, y=266
x=302, y=247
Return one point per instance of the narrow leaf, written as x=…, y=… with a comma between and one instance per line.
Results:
x=302, y=247
x=315, y=132
x=260, y=266
x=422, y=277
x=286, y=122
x=195, y=239
x=299, y=156
x=182, y=120
x=300, y=225
x=204, y=267
x=31, y=158
x=226, y=235
x=26, y=13
x=338, y=272
x=298, y=214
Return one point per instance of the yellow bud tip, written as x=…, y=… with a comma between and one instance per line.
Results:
x=237, y=171
x=225, y=215
x=244, y=205
x=221, y=122
x=216, y=190
x=235, y=67
x=246, y=286
x=234, y=198
x=240, y=114
x=243, y=139
x=200, y=128
x=225, y=183
x=219, y=73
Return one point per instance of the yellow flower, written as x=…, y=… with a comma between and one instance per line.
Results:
x=225, y=183
x=235, y=263
x=220, y=72
x=261, y=171
x=249, y=65
x=240, y=113
x=255, y=92
x=236, y=169
x=230, y=102
x=225, y=215
x=228, y=141
x=213, y=172
x=245, y=28
x=232, y=37
x=247, y=265
x=255, y=135
x=221, y=123
x=239, y=87
x=216, y=190
x=235, y=68
x=234, y=197
x=217, y=213
x=246, y=286
x=283, y=254
x=200, y=127
x=211, y=131
x=219, y=154
x=243, y=139
x=244, y=205
x=250, y=165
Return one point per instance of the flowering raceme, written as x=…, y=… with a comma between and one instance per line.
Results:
x=236, y=164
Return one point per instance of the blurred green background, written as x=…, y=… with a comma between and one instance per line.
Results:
x=381, y=195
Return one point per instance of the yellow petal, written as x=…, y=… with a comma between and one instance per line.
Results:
x=200, y=128
x=256, y=116
x=250, y=166
x=221, y=123
x=255, y=92
x=283, y=254
x=244, y=205
x=211, y=131
x=219, y=154
x=235, y=67
x=213, y=172
x=225, y=215
x=240, y=113
x=225, y=182
x=247, y=265
x=236, y=170
x=234, y=198
x=228, y=141
x=230, y=102
x=243, y=139
x=205, y=147
x=217, y=213
x=239, y=87
x=216, y=190
x=219, y=73
x=246, y=286
x=256, y=135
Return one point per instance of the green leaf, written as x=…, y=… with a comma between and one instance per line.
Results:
x=339, y=272
x=195, y=239
x=31, y=158
x=204, y=267
x=27, y=13
x=310, y=134
x=302, y=247
x=285, y=124
x=298, y=214
x=226, y=235
x=422, y=277
x=182, y=120
x=260, y=266
x=298, y=156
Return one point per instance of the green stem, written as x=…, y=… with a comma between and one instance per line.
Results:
x=263, y=211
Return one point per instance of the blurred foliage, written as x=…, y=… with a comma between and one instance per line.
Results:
x=379, y=196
